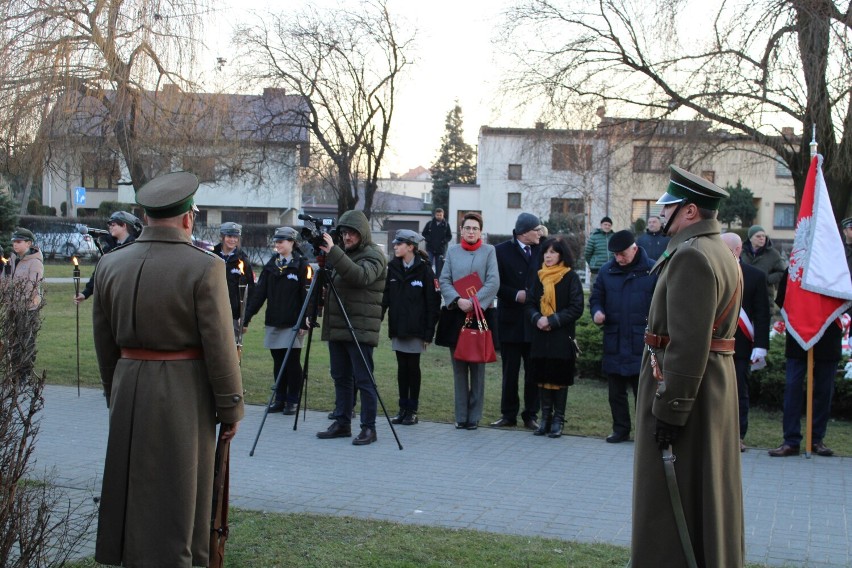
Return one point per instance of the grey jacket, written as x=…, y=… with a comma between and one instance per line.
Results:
x=459, y=263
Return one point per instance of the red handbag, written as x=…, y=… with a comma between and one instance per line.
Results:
x=475, y=344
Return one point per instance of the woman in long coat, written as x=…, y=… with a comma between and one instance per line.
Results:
x=553, y=307
x=412, y=303
x=471, y=255
x=283, y=285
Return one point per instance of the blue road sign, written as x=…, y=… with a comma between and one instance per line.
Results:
x=79, y=196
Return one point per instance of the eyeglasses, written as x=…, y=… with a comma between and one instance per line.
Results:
x=471, y=228
x=346, y=232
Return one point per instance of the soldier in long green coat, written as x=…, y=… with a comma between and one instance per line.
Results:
x=165, y=345
x=687, y=398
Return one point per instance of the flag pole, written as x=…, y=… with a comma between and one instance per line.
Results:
x=809, y=409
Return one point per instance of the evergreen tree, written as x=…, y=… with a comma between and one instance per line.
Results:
x=455, y=163
x=740, y=205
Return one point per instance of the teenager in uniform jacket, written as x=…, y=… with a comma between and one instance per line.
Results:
x=283, y=285
x=229, y=250
x=412, y=302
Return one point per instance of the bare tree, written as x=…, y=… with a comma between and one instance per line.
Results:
x=38, y=526
x=346, y=62
x=111, y=50
x=760, y=65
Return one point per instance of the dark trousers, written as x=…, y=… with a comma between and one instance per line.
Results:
x=513, y=354
x=290, y=387
x=618, y=403
x=349, y=373
x=408, y=379
x=794, y=398
x=743, y=367
x=436, y=259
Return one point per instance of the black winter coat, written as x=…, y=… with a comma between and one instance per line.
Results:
x=516, y=273
x=756, y=306
x=412, y=299
x=232, y=268
x=558, y=342
x=285, y=290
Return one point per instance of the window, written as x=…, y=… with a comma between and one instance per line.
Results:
x=513, y=201
x=515, y=172
x=561, y=206
x=709, y=175
x=201, y=166
x=427, y=197
x=784, y=216
x=245, y=217
x=572, y=157
x=99, y=171
x=644, y=208
x=781, y=169
x=652, y=158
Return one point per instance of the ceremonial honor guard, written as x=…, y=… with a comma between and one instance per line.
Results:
x=687, y=493
x=165, y=346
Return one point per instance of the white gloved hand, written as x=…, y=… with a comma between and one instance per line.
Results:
x=757, y=354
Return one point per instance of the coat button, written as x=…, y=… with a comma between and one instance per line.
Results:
x=236, y=398
x=675, y=403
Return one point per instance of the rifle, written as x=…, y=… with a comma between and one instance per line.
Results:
x=219, y=515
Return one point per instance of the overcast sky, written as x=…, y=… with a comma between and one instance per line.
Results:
x=454, y=61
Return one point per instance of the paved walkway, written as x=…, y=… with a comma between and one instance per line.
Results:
x=798, y=512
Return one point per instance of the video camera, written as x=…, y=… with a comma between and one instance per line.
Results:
x=315, y=236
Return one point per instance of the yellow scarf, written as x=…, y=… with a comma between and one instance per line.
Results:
x=550, y=276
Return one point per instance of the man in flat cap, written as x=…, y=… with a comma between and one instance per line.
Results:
x=687, y=402
x=517, y=262
x=165, y=346
x=123, y=228
x=229, y=250
x=359, y=269
x=619, y=302
x=596, y=252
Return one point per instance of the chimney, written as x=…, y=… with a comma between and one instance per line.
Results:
x=601, y=112
x=170, y=89
x=787, y=132
x=539, y=126
x=273, y=92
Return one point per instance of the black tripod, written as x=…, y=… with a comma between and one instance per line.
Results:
x=321, y=279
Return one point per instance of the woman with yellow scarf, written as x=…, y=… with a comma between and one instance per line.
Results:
x=554, y=306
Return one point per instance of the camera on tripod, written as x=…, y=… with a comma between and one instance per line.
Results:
x=315, y=236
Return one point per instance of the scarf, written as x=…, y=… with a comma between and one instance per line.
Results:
x=550, y=276
x=470, y=247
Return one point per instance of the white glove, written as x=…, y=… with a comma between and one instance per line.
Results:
x=757, y=354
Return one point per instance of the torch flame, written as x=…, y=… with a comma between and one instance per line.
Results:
x=310, y=272
x=74, y=260
x=4, y=259
x=240, y=264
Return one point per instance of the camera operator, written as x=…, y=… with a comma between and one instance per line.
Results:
x=123, y=228
x=358, y=274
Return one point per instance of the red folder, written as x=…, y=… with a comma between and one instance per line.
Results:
x=468, y=286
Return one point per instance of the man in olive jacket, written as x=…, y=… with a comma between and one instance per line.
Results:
x=359, y=272
x=687, y=401
x=165, y=346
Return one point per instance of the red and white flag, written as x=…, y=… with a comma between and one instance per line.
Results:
x=819, y=288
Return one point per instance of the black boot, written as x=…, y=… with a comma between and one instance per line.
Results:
x=560, y=401
x=411, y=416
x=545, y=395
x=403, y=410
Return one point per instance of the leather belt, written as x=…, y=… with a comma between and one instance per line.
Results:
x=154, y=355
x=716, y=345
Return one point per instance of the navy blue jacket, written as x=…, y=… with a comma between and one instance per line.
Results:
x=624, y=296
x=284, y=289
x=756, y=306
x=516, y=273
x=413, y=298
x=654, y=244
x=232, y=275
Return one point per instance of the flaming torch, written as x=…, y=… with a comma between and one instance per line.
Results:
x=7, y=267
x=243, y=298
x=76, y=275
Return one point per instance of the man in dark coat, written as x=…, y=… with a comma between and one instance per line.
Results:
x=517, y=261
x=752, y=336
x=687, y=403
x=238, y=268
x=359, y=272
x=619, y=302
x=165, y=347
x=437, y=234
x=653, y=241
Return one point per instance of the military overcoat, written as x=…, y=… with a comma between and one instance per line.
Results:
x=698, y=277
x=161, y=293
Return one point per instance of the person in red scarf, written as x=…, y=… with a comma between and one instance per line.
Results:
x=471, y=255
x=554, y=305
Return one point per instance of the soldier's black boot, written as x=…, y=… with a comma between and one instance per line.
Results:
x=545, y=395
x=560, y=401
